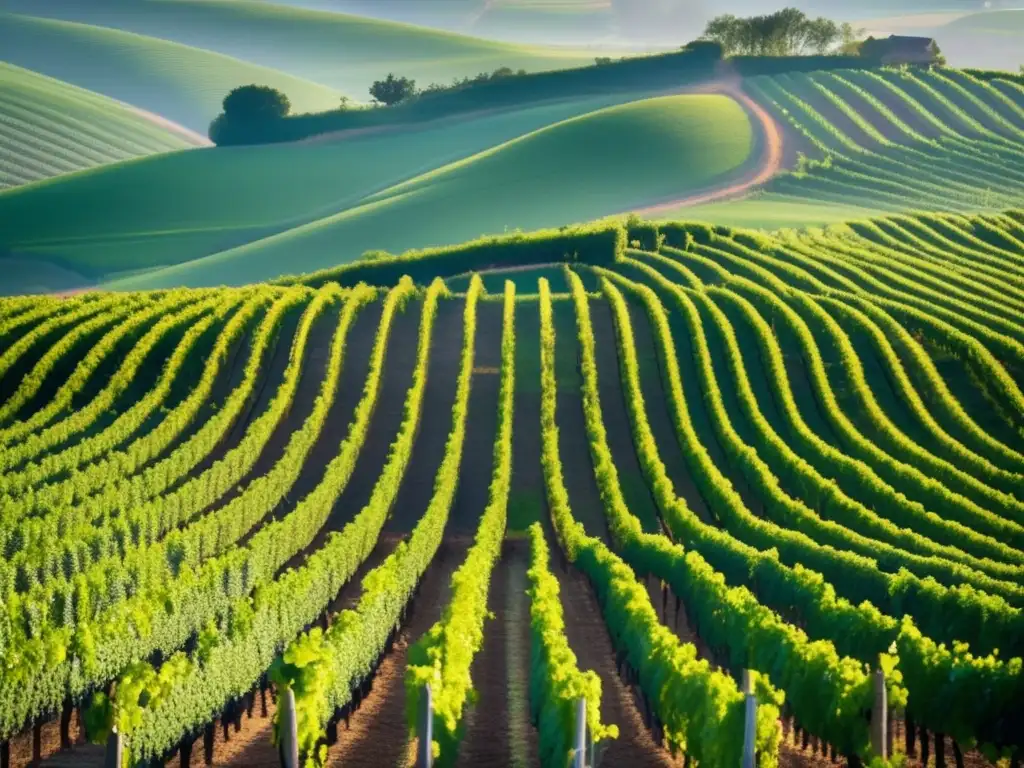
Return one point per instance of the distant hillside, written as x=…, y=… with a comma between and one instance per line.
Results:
x=988, y=40
x=888, y=141
x=601, y=163
x=48, y=128
x=182, y=83
x=326, y=201
x=162, y=210
x=342, y=51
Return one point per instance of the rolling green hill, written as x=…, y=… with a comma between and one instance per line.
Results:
x=49, y=128
x=342, y=51
x=597, y=164
x=179, y=82
x=986, y=40
x=162, y=210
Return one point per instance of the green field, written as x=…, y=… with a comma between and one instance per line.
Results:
x=342, y=51
x=523, y=168
x=179, y=82
x=810, y=443
x=49, y=128
x=654, y=149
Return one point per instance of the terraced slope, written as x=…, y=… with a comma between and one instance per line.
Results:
x=342, y=51
x=51, y=128
x=182, y=83
x=813, y=442
x=891, y=140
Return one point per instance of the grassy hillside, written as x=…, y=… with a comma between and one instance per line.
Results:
x=164, y=210
x=987, y=40
x=182, y=83
x=343, y=51
x=49, y=128
x=598, y=164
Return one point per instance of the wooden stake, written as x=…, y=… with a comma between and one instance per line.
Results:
x=579, y=756
x=958, y=756
x=289, y=731
x=425, y=729
x=879, y=716
x=114, y=755
x=750, y=724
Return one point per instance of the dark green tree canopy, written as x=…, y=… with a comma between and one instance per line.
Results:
x=255, y=102
x=392, y=90
x=788, y=32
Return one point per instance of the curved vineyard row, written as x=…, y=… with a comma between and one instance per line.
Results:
x=892, y=139
x=812, y=443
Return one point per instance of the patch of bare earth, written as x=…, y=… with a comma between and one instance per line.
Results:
x=498, y=730
x=377, y=735
x=620, y=701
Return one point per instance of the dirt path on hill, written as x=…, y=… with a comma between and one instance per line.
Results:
x=768, y=163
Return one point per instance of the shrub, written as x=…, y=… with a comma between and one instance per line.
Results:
x=393, y=90
x=256, y=103
x=599, y=244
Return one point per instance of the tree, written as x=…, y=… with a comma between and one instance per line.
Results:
x=822, y=35
x=788, y=32
x=255, y=103
x=392, y=90
x=707, y=49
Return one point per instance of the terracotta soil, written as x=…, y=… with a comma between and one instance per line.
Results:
x=497, y=726
x=573, y=445
x=377, y=734
x=481, y=424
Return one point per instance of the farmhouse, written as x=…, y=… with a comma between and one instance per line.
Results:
x=901, y=49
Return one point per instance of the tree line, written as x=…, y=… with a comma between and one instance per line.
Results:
x=788, y=32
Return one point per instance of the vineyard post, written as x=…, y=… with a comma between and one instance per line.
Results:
x=579, y=754
x=750, y=723
x=879, y=716
x=425, y=729
x=114, y=755
x=289, y=730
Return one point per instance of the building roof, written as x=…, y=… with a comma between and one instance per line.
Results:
x=909, y=44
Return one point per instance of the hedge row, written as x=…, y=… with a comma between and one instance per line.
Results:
x=600, y=243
